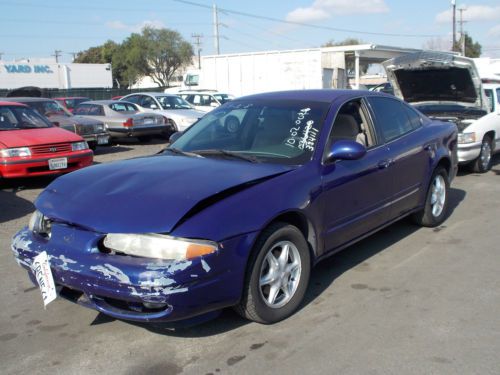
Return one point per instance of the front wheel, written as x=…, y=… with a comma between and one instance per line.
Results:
x=436, y=203
x=483, y=163
x=277, y=275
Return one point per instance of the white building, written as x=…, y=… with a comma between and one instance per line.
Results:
x=44, y=73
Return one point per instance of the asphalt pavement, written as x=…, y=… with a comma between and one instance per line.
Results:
x=406, y=300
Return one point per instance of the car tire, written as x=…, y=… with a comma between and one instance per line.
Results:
x=275, y=281
x=483, y=162
x=144, y=138
x=436, y=201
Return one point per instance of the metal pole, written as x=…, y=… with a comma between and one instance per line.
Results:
x=454, y=5
x=216, y=29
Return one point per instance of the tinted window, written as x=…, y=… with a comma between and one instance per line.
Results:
x=82, y=109
x=390, y=117
x=173, y=102
x=96, y=110
x=414, y=116
x=133, y=99
x=147, y=102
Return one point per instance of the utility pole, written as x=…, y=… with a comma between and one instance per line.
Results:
x=454, y=11
x=198, y=46
x=216, y=29
x=56, y=54
x=462, y=33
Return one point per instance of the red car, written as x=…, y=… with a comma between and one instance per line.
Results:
x=31, y=146
x=71, y=102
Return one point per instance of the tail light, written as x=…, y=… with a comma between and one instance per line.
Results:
x=129, y=123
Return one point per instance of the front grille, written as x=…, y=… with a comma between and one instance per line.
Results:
x=50, y=149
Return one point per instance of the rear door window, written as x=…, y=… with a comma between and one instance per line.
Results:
x=391, y=118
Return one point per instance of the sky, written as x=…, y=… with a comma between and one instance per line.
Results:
x=35, y=29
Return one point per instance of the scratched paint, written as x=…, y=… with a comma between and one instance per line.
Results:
x=111, y=272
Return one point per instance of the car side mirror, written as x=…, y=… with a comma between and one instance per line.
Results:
x=345, y=150
x=214, y=104
x=175, y=136
x=153, y=106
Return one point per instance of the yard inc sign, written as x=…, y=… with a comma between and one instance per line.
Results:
x=27, y=69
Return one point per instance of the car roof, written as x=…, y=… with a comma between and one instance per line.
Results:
x=107, y=101
x=71, y=97
x=26, y=99
x=4, y=103
x=321, y=95
x=152, y=94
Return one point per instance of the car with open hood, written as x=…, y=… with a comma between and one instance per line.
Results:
x=31, y=146
x=180, y=112
x=91, y=130
x=448, y=87
x=124, y=119
x=237, y=210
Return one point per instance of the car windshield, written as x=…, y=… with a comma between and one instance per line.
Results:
x=173, y=102
x=49, y=108
x=222, y=98
x=17, y=117
x=283, y=132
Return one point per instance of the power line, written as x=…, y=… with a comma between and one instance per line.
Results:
x=225, y=10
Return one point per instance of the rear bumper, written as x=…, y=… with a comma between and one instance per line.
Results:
x=39, y=166
x=99, y=138
x=119, y=286
x=138, y=131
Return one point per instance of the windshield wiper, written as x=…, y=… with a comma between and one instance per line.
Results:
x=180, y=152
x=233, y=154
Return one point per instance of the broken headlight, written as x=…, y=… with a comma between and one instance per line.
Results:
x=158, y=246
x=40, y=224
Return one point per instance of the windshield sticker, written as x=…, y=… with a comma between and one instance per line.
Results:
x=305, y=138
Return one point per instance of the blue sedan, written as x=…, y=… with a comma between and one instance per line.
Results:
x=240, y=207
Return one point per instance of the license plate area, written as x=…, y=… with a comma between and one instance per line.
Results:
x=59, y=163
x=102, y=139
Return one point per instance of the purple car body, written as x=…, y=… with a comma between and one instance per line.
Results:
x=336, y=194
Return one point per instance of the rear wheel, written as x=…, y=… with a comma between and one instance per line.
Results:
x=277, y=275
x=483, y=163
x=436, y=203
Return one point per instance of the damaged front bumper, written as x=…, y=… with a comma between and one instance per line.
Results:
x=136, y=288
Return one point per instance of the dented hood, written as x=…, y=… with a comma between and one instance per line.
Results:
x=434, y=78
x=150, y=194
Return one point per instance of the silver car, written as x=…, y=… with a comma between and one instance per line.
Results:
x=174, y=107
x=123, y=119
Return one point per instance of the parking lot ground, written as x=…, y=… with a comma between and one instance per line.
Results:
x=407, y=300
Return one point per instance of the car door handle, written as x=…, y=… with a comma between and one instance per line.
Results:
x=385, y=163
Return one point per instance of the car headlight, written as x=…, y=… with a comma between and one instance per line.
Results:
x=40, y=224
x=466, y=137
x=99, y=127
x=158, y=246
x=78, y=146
x=14, y=152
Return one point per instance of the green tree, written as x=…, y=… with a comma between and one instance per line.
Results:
x=165, y=51
x=345, y=42
x=472, y=49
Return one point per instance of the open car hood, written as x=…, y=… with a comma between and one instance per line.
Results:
x=434, y=78
x=149, y=194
